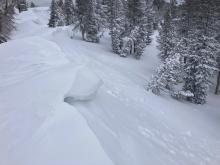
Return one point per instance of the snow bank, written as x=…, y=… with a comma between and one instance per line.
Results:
x=36, y=126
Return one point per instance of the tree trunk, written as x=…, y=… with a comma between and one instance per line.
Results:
x=218, y=83
x=6, y=4
x=83, y=34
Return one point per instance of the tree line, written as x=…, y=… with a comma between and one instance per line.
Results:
x=7, y=11
x=130, y=22
x=189, y=43
x=189, y=38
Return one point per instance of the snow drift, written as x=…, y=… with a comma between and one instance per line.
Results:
x=24, y=58
x=36, y=126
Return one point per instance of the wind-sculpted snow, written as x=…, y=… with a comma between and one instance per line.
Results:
x=36, y=126
x=24, y=58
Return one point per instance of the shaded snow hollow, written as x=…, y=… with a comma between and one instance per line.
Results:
x=122, y=124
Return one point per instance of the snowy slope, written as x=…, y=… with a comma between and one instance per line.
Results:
x=125, y=124
x=36, y=125
x=18, y=61
x=136, y=127
x=40, y=3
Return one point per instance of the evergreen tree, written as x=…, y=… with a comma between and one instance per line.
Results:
x=200, y=66
x=150, y=22
x=3, y=36
x=170, y=73
x=91, y=25
x=22, y=5
x=54, y=17
x=61, y=13
x=117, y=21
x=6, y=20
x=32, y=5
x=166, y=37
x=168, y=76
x=101, y=14
x=138, y=19
x=60, y=3
x=69, y=12
x=159, y=4
x=192, y=37
x=81, y=9
x=86, y=20
x=217, y=27
x=56, y=14
x=202, y=48
x=218, y=75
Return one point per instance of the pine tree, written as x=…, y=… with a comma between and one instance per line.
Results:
x=101, y=15
x=217, y=37
x=202, y=48
x=117, y=21
x=150, y=22
x=86, y=20
x=166, y=37
x=61, y=13
x=200, y=66
x=22, y=5
x=218, y=75
x=6, y=20
x=81, y=9
x=60, y=3
x=159, y=4
x=3, y=37
x=138, y=19
x=69, y=12
x=56, y=14
x=168, y=76
x=53, y=22
x=91, y=25
x=32, y=5
x=191, y=36
x=172, y=50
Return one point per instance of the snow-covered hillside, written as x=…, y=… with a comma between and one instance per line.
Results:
x=65, y=101
x=40, y=3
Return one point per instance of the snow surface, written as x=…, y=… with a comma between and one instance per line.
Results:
x=122, y=124
x=40, y=3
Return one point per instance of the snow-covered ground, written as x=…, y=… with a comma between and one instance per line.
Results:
x=40, y=3
x=65, y=101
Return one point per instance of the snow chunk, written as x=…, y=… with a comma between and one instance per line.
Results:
x=85, y=86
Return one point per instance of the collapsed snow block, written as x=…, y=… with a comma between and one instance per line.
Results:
x=85, y=86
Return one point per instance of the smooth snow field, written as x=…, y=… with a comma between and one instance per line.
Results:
x=64, y=101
